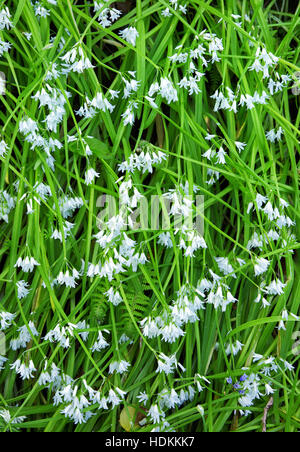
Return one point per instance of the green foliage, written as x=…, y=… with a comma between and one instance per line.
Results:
x=179, y=130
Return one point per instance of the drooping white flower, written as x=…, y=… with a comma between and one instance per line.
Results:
x=151, y=102
x=156, y=414
x=281, y=325
x=240, y=146
x=8, y=419
x=4, y=47
x=168, y=91
x=130, y=35
x=25, y=371
x=5, y=19
x=26, y=264
x=119, y=367
x=269, y=389
x=62, y=334
x=90, y=176
x=273, y=135
x=6, y=319
x=25, y=336
x=221, y=156
x=27, y=126
x=100, y=103
x=225, y=267
x=143, y=398
x=67, y=278
x=261, y=266
x=166, y=364
x=101, y=343
x=166, y=12
x=275, y=287
x=170, y=332
x=22, y=287
x=165, y=240
x=113, y=398
x=234, y=348
x=114, y=297
x=150, y=327
x=41, y=11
